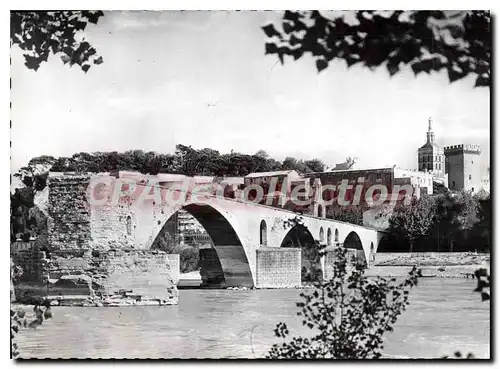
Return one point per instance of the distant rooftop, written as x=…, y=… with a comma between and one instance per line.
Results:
x=350, y=170
x=269, y=174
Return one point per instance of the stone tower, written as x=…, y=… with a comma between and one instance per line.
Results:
x=431, y=157
x=463, y=168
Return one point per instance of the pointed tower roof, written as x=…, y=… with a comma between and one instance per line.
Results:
x=430, y=137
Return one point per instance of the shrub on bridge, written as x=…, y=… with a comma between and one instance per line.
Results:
x=348, y=314
x=189, y=258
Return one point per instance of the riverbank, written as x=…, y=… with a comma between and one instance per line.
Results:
x=432, y=264
x=444, y=316
x=432, y=259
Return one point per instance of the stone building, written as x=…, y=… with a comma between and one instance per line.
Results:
x=422, y=182
x=366, y=182
x=463, y=167
x=431, y=157
x=282, y=177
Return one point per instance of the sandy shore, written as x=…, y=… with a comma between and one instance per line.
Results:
x=439, y=265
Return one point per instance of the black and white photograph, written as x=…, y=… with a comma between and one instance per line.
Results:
x=252, y=184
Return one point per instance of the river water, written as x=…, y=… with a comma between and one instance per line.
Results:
x=444, y=316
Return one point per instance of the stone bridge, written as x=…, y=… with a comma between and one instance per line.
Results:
x=239, y=230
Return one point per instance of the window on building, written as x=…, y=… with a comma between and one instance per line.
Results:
x=263, y=233
x=129, y=226
x=472, y=162
x=470, y=177
x=320, y=211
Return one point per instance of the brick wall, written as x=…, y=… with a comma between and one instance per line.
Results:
x=24, y=255
x=69, y=214
x=278, y=267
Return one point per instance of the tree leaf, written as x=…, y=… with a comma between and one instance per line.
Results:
x=270, y=31
x=271, y=48
x=321, y=64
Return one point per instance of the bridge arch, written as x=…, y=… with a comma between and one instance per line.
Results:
x=321, y=236
x=355, y=251
x=329, y=237
x=234, y=264
x=299, y=236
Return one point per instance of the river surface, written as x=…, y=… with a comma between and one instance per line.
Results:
x=444, y=316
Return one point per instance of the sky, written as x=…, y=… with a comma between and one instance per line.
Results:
x=202, y=79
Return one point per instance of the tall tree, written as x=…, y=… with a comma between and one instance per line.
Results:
x=35, y=174
x=457, y=42
x=262, y=154
x=414, y=220
x=315, y=165
x=41, y=33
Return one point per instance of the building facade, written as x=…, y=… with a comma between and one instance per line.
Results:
x=463, y=167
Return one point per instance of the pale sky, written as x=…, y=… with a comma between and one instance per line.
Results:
x=162, y=70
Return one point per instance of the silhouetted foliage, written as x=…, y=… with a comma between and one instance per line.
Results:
x=483, y=283
x=458, y=42
x=40, y=33
x=348, y=314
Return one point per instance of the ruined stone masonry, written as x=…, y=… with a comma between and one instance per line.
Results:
x=76, y=269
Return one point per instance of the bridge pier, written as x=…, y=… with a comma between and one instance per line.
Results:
x=278, y=267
